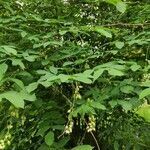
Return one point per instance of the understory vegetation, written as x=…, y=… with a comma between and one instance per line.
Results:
x=74, y=75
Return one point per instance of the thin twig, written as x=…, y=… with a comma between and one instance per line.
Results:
x=81, y=141
x=95, y=140
x=64, y=96
x=98, y=147
x=61, y=134
x=63, y=131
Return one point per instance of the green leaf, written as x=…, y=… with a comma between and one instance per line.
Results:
x=82, y=147
x=62, y=32
x=144, y=111
x=31, y=58
x=18, y=62
x=97, y=105
x=62, y=143
x=67, y=63
x=49, y=138
x=115, y=72
x=83, y=79
x=17, y=98
x=53, y=70
x=121, y=6
x=146, y=83
x=14, y=97
x=46, y=83
x=51, y=77
x=119, y=44
x=58, y=127
x=116, y=145
x=97, y=73
x=63, y=77
x=82, y=110
x=27, y=96
x=9, y=50
x=17, y=82
x=144, y=93
x=103, y=32
x=42, y=130
x=127, y=89
x=135, y=67
x=113, y=103
x=88, y=73
x=51, y=43
x=36, y=17
x=3, y=69
x=126, y=105
x=23, y=34
x=31, y=87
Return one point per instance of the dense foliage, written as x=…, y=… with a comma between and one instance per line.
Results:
x=74, y=74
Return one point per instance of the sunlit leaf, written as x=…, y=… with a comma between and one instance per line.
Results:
x=135, y=67
x=14, y=97
x=18, y=62
x=83, y=147
x=115, y=72
x=121, y=6
x=127, y=89
x=97, y=73
x=17, y=82
x=103, y=32
x=9, y=50
x=31, y=87
x=83, y=79
x=144, y=93
x=119, y=44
